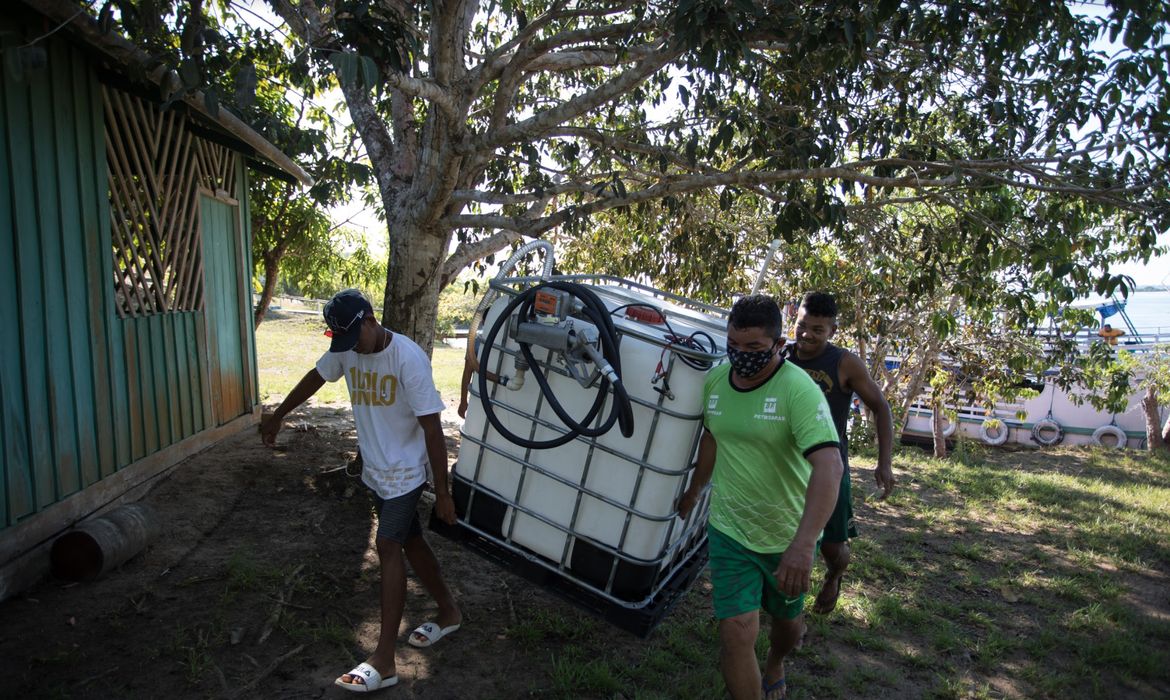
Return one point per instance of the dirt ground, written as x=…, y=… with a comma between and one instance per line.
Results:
x=263, y=583
x=242, y=528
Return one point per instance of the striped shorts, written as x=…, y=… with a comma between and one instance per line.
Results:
x=398, y=516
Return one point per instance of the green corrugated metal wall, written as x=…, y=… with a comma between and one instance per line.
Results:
x=221, y=261
x=83, y=392
x=245, y=218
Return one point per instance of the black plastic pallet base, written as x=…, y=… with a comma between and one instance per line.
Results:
x=640, y=621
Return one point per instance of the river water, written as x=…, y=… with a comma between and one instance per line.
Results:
x=1149, y=311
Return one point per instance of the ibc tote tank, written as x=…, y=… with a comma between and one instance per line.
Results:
x=597, y=513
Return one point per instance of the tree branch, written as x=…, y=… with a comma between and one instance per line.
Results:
x=467, y=253
x=449, y=28
x=304, y=19
x=618, y=143
x=534, y=126
x=379, y=145
x=587, y=58
x=1107, y=195
x=487, y=197
x=512, y=73
x=425, y=90
x=681, y=184
x=507, y=54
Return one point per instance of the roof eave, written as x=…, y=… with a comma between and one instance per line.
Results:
x=123, y=53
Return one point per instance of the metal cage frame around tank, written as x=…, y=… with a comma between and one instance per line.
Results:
x=693, y=535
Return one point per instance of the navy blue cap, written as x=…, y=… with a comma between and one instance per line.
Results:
x=344, y=314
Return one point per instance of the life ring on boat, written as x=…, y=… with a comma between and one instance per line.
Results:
x=1047, y=432
x=993, y=431
x=951, y=427
x=1118, y=435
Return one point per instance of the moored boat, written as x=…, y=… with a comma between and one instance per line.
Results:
x=1053, y=416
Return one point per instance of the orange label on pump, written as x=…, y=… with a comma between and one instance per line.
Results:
x=546, y=303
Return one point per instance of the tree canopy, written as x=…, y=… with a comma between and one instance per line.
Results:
x=281, y=93
x=486, y=122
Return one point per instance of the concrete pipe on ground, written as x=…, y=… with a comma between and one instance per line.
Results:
x=98, y=545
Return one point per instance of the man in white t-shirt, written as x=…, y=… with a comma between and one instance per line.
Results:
x=396, y=409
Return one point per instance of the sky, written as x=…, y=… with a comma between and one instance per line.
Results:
x=1156, y=273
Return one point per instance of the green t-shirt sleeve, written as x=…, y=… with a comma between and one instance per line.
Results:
x=812, y=423
x=709, y=388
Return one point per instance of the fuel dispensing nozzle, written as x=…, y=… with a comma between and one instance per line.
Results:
x=553, y=316
x=576, y=341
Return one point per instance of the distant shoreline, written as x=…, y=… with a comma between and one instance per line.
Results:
x=1149, y=288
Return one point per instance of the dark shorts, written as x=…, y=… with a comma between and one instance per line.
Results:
x=743, y=581
x=398, y=517
x=840, y=527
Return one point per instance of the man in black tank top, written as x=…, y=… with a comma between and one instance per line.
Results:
x=840, y=374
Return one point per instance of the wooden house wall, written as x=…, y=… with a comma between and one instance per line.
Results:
x=85, y=388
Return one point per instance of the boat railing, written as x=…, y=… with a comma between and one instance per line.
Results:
x=1145, y=339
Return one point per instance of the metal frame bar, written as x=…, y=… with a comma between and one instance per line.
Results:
x=557, y=428
x=514, y=285
x=663, y=578
x=687, y=538
x=502, y=285
x=669, y=550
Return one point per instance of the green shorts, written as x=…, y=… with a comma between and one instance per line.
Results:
x=840, y=527
x=744, y=581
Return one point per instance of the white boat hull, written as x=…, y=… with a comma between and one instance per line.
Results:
x=1078, y=421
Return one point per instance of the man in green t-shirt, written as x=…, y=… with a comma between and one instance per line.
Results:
x=769, y=449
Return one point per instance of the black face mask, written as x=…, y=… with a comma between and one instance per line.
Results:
x=748, y=364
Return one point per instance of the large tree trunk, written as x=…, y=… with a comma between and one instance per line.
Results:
x=271, y=275
x=1150, y=409
x=917, y=381
x=411, y=300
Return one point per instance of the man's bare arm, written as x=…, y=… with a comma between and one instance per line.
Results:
x=432, y=428
x=704, y=466
x=795, y=570
x=271, y=423
x=857, y=379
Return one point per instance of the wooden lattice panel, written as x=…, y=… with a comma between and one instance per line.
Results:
x=156, y=168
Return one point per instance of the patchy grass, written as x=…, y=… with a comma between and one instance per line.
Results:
x=586, y=658
x=993, y=574
x=286, y=348
x=1001, y=575
x=1031, y=574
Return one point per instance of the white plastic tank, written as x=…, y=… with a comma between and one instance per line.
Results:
x=599, y=509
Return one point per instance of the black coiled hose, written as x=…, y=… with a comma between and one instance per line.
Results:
x=596, y=311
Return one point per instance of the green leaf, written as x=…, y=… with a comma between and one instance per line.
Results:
x=369, y=72
x=211, y=101
x=345, y=67
x=245, y=94
x=189, y=72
